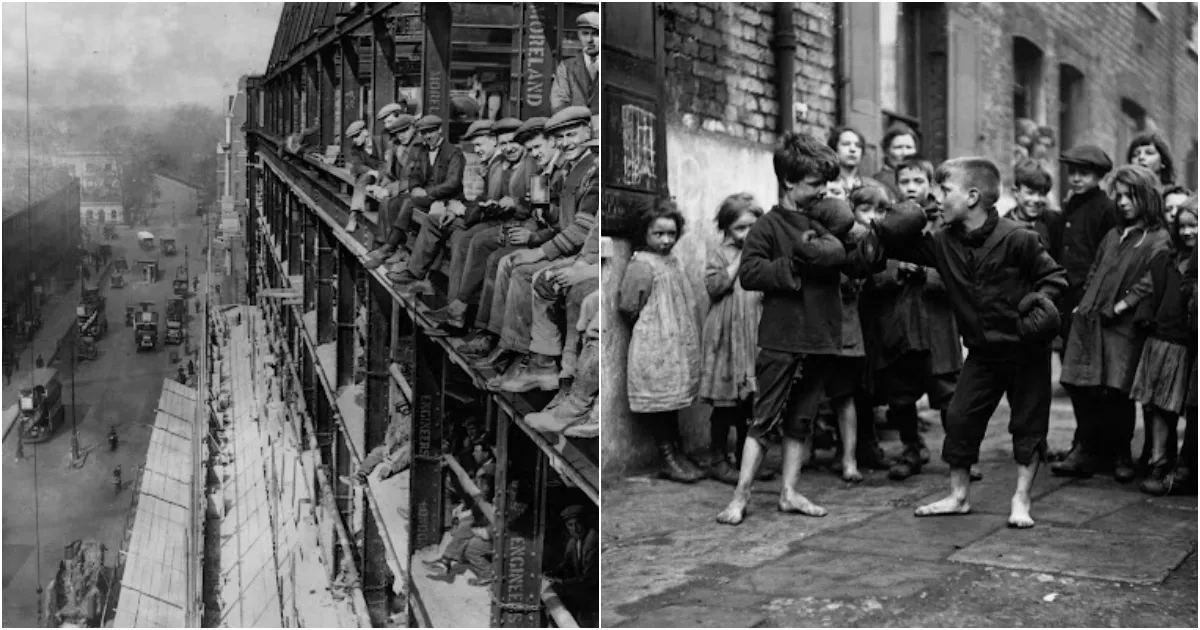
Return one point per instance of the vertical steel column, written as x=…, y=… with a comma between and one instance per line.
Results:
x=436, y=62
x=426, y=494
x=309, y=385
x=329, y=97
x=383, y=66
x=300, y=213
x=517, y=547
x=349, y=88
x=346, y=308
x=288, y=96
x=326, y=277
x=252, y=210
x=535, y=71
x=309, y=247
x=376, y=575
x=312, y=90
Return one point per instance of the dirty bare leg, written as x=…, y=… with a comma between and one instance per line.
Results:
x=957, y=502
x=790, y=500
x=1158, y=446
x=1020, y=517
x=848, y=424
x=753, y=453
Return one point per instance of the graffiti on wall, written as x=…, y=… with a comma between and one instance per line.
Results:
x=637, y=139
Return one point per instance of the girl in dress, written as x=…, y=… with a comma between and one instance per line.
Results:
x=664, y=349
x=1103, y=348
x=1165, y=371
x=1151, y=151
x=730, y=336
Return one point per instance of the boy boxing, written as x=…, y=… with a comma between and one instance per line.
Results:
x=1002, y=285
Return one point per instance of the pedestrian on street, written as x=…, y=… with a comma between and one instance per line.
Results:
x=116, y=479
x=8, y=370
x=191, y=368
x=112, y=438
x=40, y=363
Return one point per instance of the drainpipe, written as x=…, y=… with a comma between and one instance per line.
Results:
x=784, y=43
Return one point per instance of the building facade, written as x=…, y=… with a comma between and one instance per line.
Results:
x=231, y=163
x=99, y=184
x=696, y=95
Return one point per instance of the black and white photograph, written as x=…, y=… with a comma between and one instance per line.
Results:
x=301, y=314
x=899, y=314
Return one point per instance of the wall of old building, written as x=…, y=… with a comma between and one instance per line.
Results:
x=721, y=114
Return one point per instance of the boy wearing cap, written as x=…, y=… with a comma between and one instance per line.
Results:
x=407, y=172
x=395, y=178
x=1002, y=285
x=363, y=162
x=576, y=79
x=1088, y=215
x=442, y=195
x=579, y=198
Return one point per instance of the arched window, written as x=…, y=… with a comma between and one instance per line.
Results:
x=1027, y=81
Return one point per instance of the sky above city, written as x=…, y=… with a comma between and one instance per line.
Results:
x=133, y=54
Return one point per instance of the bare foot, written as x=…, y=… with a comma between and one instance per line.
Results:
x=850, y=472
x=797, y=503
x=976, y=475
x=735, y=511
x=950, y=506
x=1020, y=518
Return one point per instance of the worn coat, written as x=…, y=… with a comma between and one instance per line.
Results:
x=573, y=85
x=1102, y=353
x=730, y=340
x=444, y=178
x=579, y=201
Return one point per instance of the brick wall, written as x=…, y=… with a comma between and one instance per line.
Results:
x=1123, y=51
x=722, y=119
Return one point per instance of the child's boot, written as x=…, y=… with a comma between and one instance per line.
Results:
x=721, y=468
x=908, y=464
x=1077, y=464
x=671, y=467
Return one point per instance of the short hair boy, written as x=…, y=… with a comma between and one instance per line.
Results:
x=1010, y=345
x=1031, y=185
x=795, y=260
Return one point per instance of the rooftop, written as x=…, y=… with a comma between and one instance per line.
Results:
x=43, y=180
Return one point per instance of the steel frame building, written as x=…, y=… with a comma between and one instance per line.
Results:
x=325, y=310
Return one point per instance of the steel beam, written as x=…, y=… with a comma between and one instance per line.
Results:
x=436, y=63
x=383, y=70
x=295, y=253
x=348, y=25
x=376, y=574
x=520, y=529
x=346, y=308
x=349, y=89
x=312, y=91
x=427, y=492
x=329, y=99
x=326, y=277
x=309, y=247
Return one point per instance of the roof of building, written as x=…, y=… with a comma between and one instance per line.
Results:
x=46, y=181
x=180, y=181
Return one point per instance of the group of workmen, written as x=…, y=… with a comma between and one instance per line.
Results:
x=523, y=270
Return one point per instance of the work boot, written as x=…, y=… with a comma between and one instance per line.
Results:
x=686, y=460
x=352, y=225
x=397, y=257
x=377, y=256
x=1124, y=472
x=516, y=365
x=908, y=464
x=450, y=320
x=497, y=360
x=482, y=345
x=672, y=467
x=588, y=428
x=541, y=372
x=575, y=409
x=1077, y=464
x=401, y=278
x=872, y=457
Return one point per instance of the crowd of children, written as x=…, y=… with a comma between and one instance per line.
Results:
x=858, y=292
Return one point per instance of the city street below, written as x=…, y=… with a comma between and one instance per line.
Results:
x=1102, y=553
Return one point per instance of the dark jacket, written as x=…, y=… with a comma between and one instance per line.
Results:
x=1087, y=217
x=1165, y=312
x=360, y=162
x=573, y=86
x=1048, y=226
x=444, y=178
x=986, y=273
x=802, y=303
x=579, y=201
x=495, y=186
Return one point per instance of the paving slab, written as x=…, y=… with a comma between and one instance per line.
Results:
x=1144, y=519
x=1076, y=505
x=917, y=550
x=1078, y=552
x=1175, y=503
x=698, y=617
x=993, y=494
x=829, y=574
x=902, y=527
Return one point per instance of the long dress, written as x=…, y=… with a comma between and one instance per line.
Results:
x=730, y=340
x=1106, y=353
x=664, y=349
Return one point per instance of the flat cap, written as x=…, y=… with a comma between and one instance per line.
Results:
x=506, y=125
x=355, y=128
x=400, y=123
x=591, y=19
x=479, y=128
x=390, y=108
x=1089, y=156
x=574, y=511
x=425, y=123
x=530, y=128
x=568, y=117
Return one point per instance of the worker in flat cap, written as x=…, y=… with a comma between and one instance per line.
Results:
x=577, y=579
x=364, y=160
x=572, y=274
x=473, y=303
x=472, y=251
x=392, y=188
x=442, y=196
x=576, y=81
x=575, y=202
x=1088, y=215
